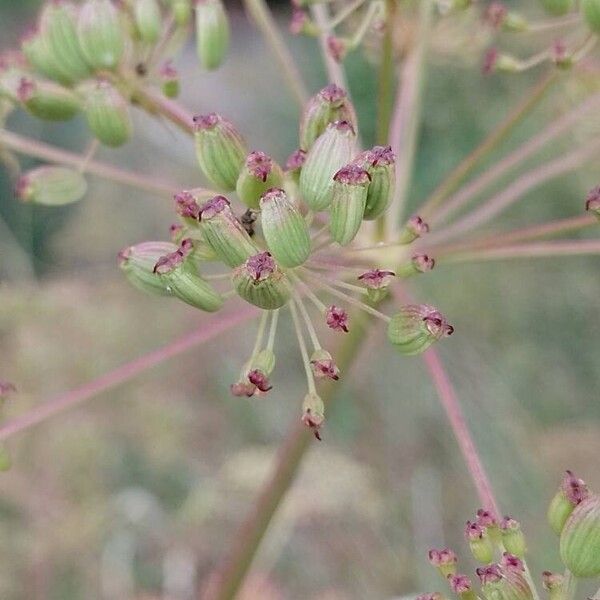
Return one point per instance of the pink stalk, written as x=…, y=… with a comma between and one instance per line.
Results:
x=70, y=399
x=521, y=186
x=449, y=401
x=335, y=71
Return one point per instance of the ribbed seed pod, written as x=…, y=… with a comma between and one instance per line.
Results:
x=264, y=361
x=107, y=114
x=260, y=282
x=259, y=174
x=101, y=36
x=348, y=201
x=224, y=233
x=138, y=262
x=47, y=100
x=284, y=229
x=330, y=152
x=177, y=270
x=379, y=162
x=220, y=149
x=512, y=537
x=148, y=19
x=572, y=492
x=514, y=586
x=327, y=106
x=182, y=11
x=591, y=13
x=36, y=50
x=51, y=186
x=212, y=33
x=580, y=539
x=557, y=7
x=416, y=327
x=58, y=25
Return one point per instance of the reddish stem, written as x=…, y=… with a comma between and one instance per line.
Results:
x=123, y=373
x=461, y=431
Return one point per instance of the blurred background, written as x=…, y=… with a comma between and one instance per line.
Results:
x=138, y=493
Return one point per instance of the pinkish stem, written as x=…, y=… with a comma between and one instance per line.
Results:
x=461, y=431
x=123, y=373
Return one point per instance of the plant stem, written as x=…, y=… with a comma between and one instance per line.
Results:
x=462, y=171
x=516, y=190
x=29, y=147
x=156, y=103
x=406, y=117
x=460, y=429
x=536, y=250
x=262, y=17
x=515, y=158
x=246, y=540
x=335, y=71
x=125, y=372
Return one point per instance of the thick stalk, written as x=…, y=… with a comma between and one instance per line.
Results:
x=29, y=147
x=464, y=169
x=263, y=19
x=246, y=541
x=406, y=118
x=124, y=373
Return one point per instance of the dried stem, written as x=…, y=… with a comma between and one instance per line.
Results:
x=462, y=171
x=125, y=372
x=406, y=117
x=457, y=421
x=263, y=19
x=29, y=147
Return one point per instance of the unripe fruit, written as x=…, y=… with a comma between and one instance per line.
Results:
x=107, y=114
x=138, y=262
x=212, y=33
x=284, y=229
x=47, y=100
x=147, y=20
x=51, y=186
x=100, y=34
x=572, y=491
x=379, y=162
x=580, y=539
x=259, y=174
x=260, y=282
x=37, y=51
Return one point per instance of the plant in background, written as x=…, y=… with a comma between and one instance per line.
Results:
x=327, y=228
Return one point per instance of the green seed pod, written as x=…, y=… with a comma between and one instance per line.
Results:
x=480, y=544
x=264, y=362
x=178, y=273
x=416, y=327
x=580, y=539
x=138, y=262
x=101, y=36
x=415, y=227
x=554, y=584
x=376, y=283
x=512, y=537
x=224, y=233
x=212, y=33
x=37, y=51
x=591, y=14
x=558, y=7
x=170, y=80
x=107, y=114
x=5, y=459
x=148, y=20
x=313, y=413
x=419, y=263
x=182, y=11
x=379, y=162
x=259, y=281
x=51, y=186
x=284, y=229
x=293, y=166
x=47, y=100
x=329, y=105
x=514, y=586
x=58, y=25
x=330, y=152
x=220, y=150
x=259, y=174
x=348, y=201
x=572, y=491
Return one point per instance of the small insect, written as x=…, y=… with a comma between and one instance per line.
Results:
x=248, y=219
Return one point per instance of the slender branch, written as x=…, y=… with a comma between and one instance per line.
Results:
x=521, y=186
x=29, y=147
x=536, y=250
x=335, y=71
x=125, y=372
x=156, y=103
x=386, y=77
x=246, y=540
x=459, y=426
x=463, y=170
x=406, y=117
x=514, y=159
x=262, y=17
